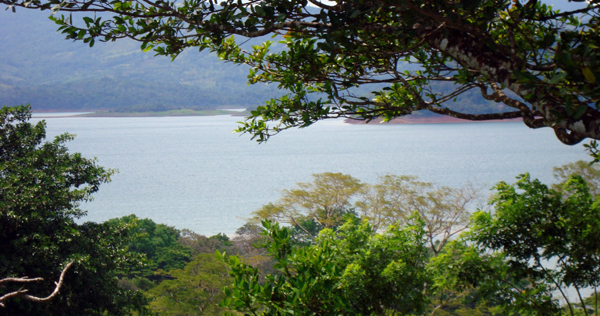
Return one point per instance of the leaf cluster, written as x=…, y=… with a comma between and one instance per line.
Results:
x=352, y=271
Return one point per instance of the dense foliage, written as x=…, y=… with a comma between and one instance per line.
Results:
x=181, y=274
x=538, y=245
x=158, y=242
x=41, y=185
x=351, y=272
x=194, y=290
x=549, y=239
x=541, y=63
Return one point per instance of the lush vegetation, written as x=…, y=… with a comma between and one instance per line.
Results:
x=521, y=259
x=41, y=185
x=335, y=246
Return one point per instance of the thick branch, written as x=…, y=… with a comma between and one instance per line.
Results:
x=475, y=117
x=477, y=56
x=499, y=96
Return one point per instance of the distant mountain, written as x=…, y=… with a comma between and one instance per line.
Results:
x=38, y=66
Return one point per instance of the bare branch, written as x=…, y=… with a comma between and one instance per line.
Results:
x=22, y=292
x=20, y=280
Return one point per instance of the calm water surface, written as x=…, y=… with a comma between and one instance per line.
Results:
x=193, y=172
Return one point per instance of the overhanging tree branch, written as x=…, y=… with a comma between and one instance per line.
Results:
x=550, y=60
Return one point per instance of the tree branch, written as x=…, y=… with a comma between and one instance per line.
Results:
x=567, y=13
x=22, y=292
x=475, y=117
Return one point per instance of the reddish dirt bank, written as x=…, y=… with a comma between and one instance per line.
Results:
x=425, y=120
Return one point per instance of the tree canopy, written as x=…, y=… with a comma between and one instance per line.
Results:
x=158, y=242
x=332, y=198
x=538, y=246
x=193, y=290
x=589, y=172
x=350, y=272
x=41, y=186
x=417, y=54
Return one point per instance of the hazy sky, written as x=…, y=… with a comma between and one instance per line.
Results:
x=565, y=5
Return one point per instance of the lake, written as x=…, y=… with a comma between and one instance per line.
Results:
x=193, y=172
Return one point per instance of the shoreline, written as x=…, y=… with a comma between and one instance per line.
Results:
x=424, y=120
x=409, y=119
x=171, y=113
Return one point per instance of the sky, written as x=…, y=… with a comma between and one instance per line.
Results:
x=565, y=5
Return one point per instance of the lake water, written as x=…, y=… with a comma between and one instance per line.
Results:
x=193, y=172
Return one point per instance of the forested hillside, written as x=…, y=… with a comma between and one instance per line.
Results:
x=40, y=67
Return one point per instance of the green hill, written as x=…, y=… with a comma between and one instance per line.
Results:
x=40, y=67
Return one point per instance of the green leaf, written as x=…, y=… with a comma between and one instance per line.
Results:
x=548, y=40
x=579, y=111
x=525, y=76
x=558, y=77
x=148, y=48
x=589, y=75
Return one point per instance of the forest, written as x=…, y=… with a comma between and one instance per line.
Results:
x=333, y=246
